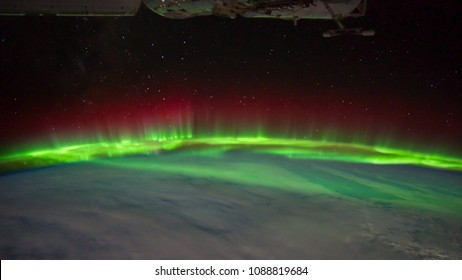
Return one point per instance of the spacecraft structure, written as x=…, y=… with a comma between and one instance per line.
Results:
x=293, y=10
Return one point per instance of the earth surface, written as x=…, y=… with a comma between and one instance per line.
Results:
x=234, y=205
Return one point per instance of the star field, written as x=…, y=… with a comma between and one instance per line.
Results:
x=66, y=75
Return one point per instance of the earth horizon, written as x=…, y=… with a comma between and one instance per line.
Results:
x=231, y=204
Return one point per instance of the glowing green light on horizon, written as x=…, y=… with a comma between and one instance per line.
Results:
x=291, y=148
x=255, y=173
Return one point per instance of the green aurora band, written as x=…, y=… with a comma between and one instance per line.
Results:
x=215, y=166
x=317, y=149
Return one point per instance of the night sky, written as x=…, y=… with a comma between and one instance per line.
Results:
x=64, y=76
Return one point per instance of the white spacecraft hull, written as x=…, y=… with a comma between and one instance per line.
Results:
x=293, y=10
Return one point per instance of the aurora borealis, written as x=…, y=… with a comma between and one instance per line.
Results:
x=111, y=87
x=73, y=81
x=292, y=148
